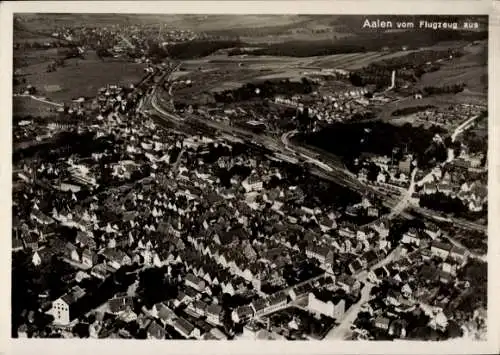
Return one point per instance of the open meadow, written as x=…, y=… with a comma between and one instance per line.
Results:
x=79, y=77
x=25, y=106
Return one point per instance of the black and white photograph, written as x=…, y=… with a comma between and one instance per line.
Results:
x=249, y=177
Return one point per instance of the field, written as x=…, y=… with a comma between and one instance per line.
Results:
x=471, y=69
x=195, y=22
x=80, y=77
x=25, y=106
x=29, y=57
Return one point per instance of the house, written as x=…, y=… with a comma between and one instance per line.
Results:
x=411, y=237
x=327, y=224
x=459, y=254
x=276, y=301
x=259, y=306
x=429, y=188
x=215, y=334
x=382, y=323
x=376, y=276
x=85, y=240
x=432, y=231
x=382, y=228
x=155, y=331
x=327, y=303
x=198, y=307
x=372, y=212
x=252, y=183
x=22, y=331
x=31, y=241
x=40, y=217
x=17, y=245
x=116, y=258
x=36, y=260
x=72, y=252
x=166, y=315
x=192, y=294
x=371, y=258
x=62, y=307
x=300, y=291
x=194, y=282
x=405, y=166
x=348, y=283
x=119, y=304
x=347, y=232
x=214, y=314
x=242, y=313
x=89, y=257
x=186, y=329
x=322, y=254
x=441, y=250
x=355, y=267
x=398, y=328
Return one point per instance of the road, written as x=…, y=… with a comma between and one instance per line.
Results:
x=405, y=198
x=178, y=160
x=460, y=129
x=340, y=331
x=57, y=104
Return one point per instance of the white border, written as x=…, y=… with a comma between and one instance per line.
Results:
x=338, y=7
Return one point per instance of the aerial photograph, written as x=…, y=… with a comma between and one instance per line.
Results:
x=249, y=177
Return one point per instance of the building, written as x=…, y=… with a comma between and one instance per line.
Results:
x=242, y=313
x=433, y=231
x=348, y=283
x=89, y=258
x=155, y=331
x=194, y=282
x=382, y=323
x=326, y=303
x=405, y=166
x=441, y=250
x=259, y=306
x=214, y=314
x=186, y=329
x=119, y=304
x=252, y=183
x=198, y=307
x=276, y=302
x=459, y=254
x=411, y=237
x=62, y=308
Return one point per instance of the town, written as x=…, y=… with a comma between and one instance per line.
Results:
x=221, y=193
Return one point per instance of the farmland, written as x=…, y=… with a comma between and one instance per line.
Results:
x=470, y=69
x=80, y=77
x=25, y=106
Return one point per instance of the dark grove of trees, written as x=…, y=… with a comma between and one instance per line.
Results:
x=366, y=42
x=411, y=110
x=190, y=49
x=447, y=89
x=266, y=89
x=349, y=141
x=28, y=282
x=154, y=287
x=65, y=144
x=443, y=203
